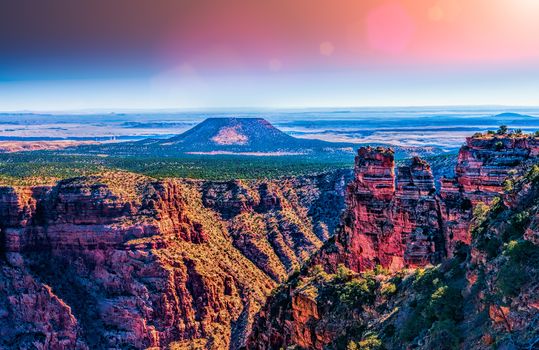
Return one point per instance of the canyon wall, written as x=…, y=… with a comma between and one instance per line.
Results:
x=121, y=261
x=394, y=220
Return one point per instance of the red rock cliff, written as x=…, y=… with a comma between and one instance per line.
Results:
x=120, y=261
x=399, y=221
x=484, y=163
x=389, y=222
x=403, y=222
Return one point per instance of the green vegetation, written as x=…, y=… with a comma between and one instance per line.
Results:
x=357, y=292
x=520, y=267
x=40, y=167
x=508, y=185
x=436, y=307
x=533, y=174
x=353, y=291
x=502, y=130
x=444, y=335
x=388, y=290
x=370, y=342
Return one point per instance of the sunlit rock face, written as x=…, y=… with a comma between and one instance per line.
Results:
x=122, y=261
x=390, y=220
x=484, y=163
x=399, y=221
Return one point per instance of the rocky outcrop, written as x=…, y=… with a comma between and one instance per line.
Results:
x=484, y=163
x=121, y=261
x=32, y=315
x=116, y=268
x=278, y=224
x=398, y=221
x=390, y=220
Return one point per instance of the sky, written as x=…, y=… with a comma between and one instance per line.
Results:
x=60, y=55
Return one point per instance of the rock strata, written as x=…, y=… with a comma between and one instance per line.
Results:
x=394, y=219
x=122, y=261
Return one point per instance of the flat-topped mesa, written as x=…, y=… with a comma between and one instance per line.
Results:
x=375, y=172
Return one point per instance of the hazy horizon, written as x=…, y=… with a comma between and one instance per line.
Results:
x=239, y=109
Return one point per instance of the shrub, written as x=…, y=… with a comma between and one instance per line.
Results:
x=498, y=145
x=523, y=252
x=352, y=345
x=480, y=213
x=388, y=290
x=357, y=292
x=444, y=335
x=491, y=132
x=510, y=279
x=380, y=270
x=522, y=261
x=445, y=304
x=371, y=342
x=533, y=173
x=502, y=130
x=438, y=299
x=343, y=274
x=517, y=226
x=508, y=185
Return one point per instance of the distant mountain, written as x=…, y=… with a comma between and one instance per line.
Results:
x=225, y=136
x=240, y=136
x=512, y=118
x=511, y=115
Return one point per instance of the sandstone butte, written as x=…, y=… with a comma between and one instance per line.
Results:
x=395, y=222
x=399, y=221
x=121, y=261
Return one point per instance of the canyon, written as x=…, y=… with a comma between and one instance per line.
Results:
x=121, y=260
x=362, y=286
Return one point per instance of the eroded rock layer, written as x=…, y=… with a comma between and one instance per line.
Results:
x=341, y=299
x=392, y=221
x=484, y=163
x=121, y=261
